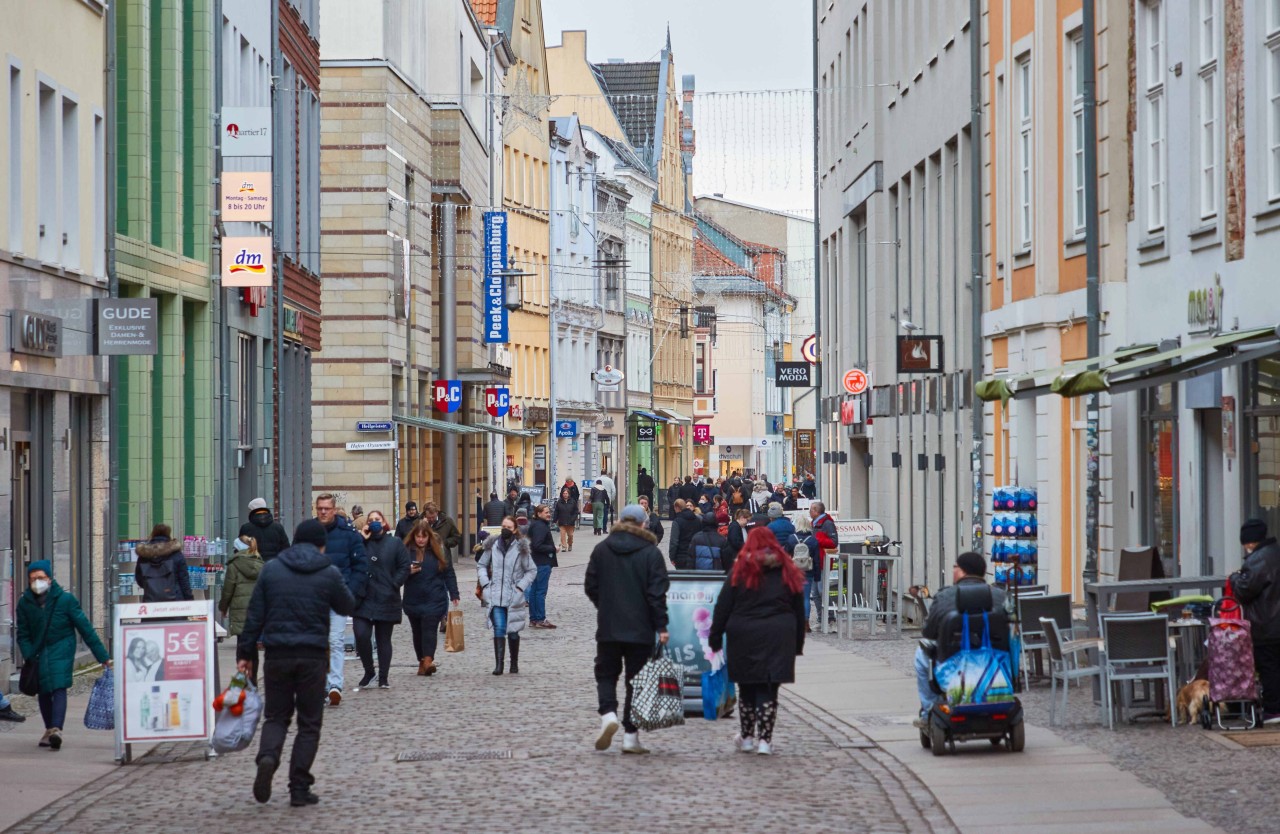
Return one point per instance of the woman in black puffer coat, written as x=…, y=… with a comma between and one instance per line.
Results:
x=379, y=611
x=427, y=592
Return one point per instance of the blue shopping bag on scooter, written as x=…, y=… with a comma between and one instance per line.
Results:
x=976, y=676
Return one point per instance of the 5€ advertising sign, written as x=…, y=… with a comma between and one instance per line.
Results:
x=497, y=401
x=446, y=395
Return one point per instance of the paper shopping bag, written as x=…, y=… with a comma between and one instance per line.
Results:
x=453, y=639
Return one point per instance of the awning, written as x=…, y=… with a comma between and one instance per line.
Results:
x=510, y=432
x=674, y=416
x=1173, y=365
x=648, y=415
x=436, y=425
x=1024, y=386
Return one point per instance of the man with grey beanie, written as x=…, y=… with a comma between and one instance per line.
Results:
x=1257, y=586
x=627, y=582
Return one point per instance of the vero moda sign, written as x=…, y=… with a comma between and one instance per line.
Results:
x=495, y=264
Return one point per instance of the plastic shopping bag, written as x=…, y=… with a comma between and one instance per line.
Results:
x=976, y=676
x=657, y=699
x=238, y=708
x=100, y=714
x=717, y=692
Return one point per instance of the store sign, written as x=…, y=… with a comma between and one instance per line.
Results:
x=540, y=457
x=164, y=671
x=246, y=197
x=646, y=434
x=246, y=262
x=35, y=334
x=1204, y=307
x=809, y=349
x=246, y=131
x=702, y=434
x=566, y=428
x=446, y=395
x=919, y=354
x=496, y=331
x=255, y=298
x=609, y=379
x=794, y=374
x=497, y=401
x=804, y=439
x=292, y=321
x=850, y=412
x=691, y=599
x=855, y=381
x=128, y=326
x=698, y=465
x=517, y=412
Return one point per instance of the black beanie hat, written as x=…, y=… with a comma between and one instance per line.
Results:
x=310, y=531
x=972, y=564
x=1253, y=531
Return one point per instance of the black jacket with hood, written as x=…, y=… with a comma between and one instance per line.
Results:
x=686, y=525
x=627, y=582
x=162, y=571
x=1257, y=586
x=268, y=532
x=289, y=610
x=708, y=545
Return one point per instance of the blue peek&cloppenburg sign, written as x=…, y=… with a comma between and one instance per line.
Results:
x=495, y=263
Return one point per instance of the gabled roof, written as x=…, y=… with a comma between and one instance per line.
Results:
x=634, y=92
x=486, y=11
x=624, y=152
x=499, y=13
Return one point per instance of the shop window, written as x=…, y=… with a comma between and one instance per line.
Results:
x=1262, y=452
x=1160, y=479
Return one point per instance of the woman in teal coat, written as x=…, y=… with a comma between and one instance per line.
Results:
x=48, y=620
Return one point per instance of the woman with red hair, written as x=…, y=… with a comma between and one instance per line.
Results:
x=761, y=609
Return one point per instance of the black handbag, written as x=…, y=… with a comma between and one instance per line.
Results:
x=29, y=677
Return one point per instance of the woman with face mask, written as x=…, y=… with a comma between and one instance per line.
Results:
x=48, y=620
x=505, y=571
x=379, y=611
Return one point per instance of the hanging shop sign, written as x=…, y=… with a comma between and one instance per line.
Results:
x=809, y=348
x=539, y=458
x=698, y=464
x=794, y=374
x=566, y=428
x=255, y=298
x=128, y=326
x=446, y=395
x=850, y=412
x=246, y=131
x=496, y=331
x=804, y=439
x=164, y=671
x=517, y=412
x=609, y=379
x=702, y=434
x=246, y=197
x=1204, y=307
x=856, y=381
x=246, y=262
x=646, y=434
x=497, y=401
x=919, y=354
x=35, y=334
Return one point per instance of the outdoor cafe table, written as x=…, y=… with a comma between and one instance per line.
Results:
x=1104, y=593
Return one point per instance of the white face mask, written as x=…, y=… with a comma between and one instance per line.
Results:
x=40, y=586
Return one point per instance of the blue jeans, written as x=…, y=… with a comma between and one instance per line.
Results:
x=337, y=652
x=498, y=616
x=536, y=595
x=4, y=701
x=928, y=698
x=53, y=708
x=808, y=596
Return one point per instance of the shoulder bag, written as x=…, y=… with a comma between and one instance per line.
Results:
x=29, y=677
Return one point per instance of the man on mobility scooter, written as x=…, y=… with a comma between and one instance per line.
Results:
x=981, y=706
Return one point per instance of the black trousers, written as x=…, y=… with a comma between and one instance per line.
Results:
x=294, y=683
x=1266, y=658
x=610, y=660
x=425, y=631
x=365, y=631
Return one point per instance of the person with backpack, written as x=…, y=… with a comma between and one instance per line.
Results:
x=760, y=496
x=49, y=618
x=162, y=569
x=781, y=527
x=708, y=545
x=685, y=527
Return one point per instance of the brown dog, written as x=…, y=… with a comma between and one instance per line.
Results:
x=1192, y=699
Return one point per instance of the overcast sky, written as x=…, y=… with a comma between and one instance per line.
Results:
x=755, y=146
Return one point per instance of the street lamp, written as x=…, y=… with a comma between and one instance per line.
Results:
x=512, y=298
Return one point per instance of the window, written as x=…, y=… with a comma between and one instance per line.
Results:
x=15, y=159
x=70, y=226
x=1075, y=95
x=99, y=197
x=245, y=391
x=47, y=193
x=1151, y=82
x=700, y=368
x=1024, y=182
x=1207, y=137
x=1273, y=101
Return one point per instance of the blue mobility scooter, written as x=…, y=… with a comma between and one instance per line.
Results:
x=998, y=721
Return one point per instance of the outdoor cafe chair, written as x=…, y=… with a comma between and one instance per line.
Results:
x=1030, y=612
x=1065, y=666
x=1137, y=649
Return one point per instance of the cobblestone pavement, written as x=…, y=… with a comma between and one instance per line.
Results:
x=1201, y=774
x=539, y=727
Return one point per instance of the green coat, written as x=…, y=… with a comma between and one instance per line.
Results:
x=242, y=575
x=64, y=617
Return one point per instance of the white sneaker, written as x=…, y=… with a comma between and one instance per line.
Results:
x=745, y=745
x=608, y=726
x=631, y=743
x=764, y=749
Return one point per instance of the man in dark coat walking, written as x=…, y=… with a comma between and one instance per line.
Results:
x=689, y=491
x=627, y=582
x=345, y=549
x=265, y=530
x=404, y=525
x=644, y=484
x=444, y=528
x=289, y=615
x=1257, y=586
x=683, y=529
x=494, y=511
x=512, y=503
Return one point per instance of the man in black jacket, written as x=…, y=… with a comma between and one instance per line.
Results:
x=683, y=529
x=1257, y=586
x=627, y=582
x=543, y=547
x=268, y=532
x=494, y=511
x=444, y=528
x=345, y=549
x=289, y=615
x=689, y=491
x=644, y=484
x=736, y=537
x=512, y=504
x=404, y=525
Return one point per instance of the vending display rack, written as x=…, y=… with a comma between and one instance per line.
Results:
x=1014, y=532
x=206, y=566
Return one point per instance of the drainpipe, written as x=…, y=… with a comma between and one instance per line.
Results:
x=115, y=364
x=1092, y=301
x=277, y=190
x=449, y=346
x=222, y=306
x=818, y=470
x=976, y=282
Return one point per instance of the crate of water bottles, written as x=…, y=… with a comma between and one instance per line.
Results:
x=1014, y=532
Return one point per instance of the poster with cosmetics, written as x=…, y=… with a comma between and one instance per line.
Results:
x=164, y=671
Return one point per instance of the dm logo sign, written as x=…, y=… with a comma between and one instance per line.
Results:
x=497, y=401
x=246, y=262
x=446, y=395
